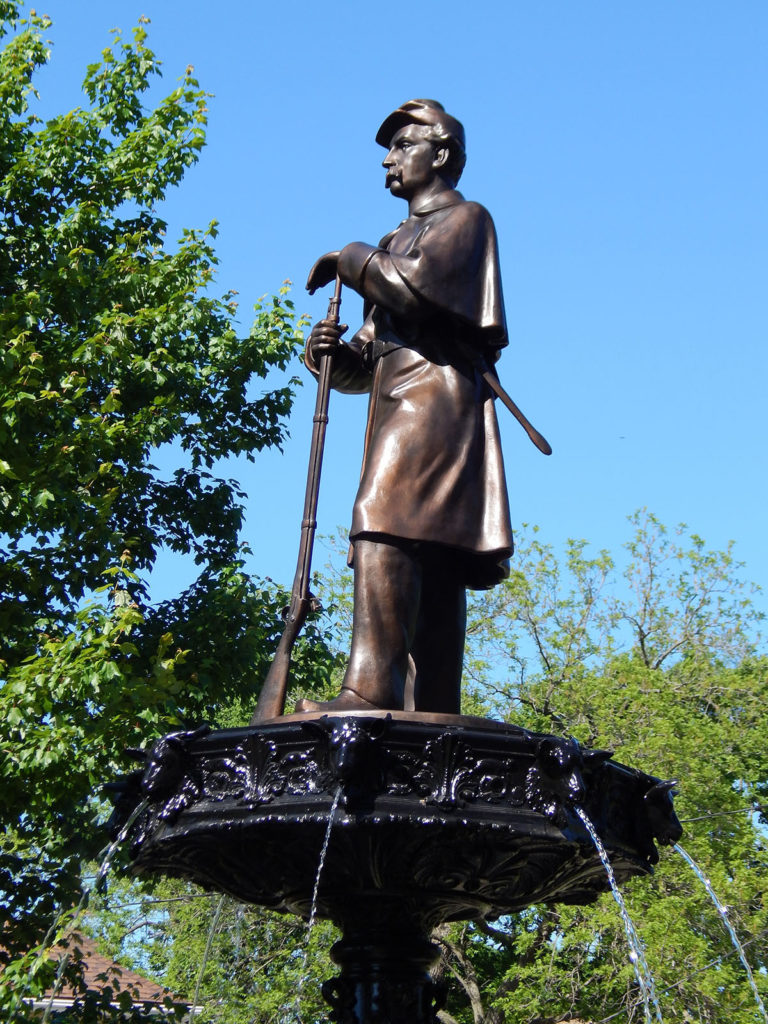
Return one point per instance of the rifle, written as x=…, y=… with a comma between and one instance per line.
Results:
x=272, y=700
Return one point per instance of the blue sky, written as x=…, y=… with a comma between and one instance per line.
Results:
x=622, y=150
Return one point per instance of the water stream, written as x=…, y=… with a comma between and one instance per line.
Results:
x=723, y=912
x=636, y=949
x=206, y=954
x=321, y=862
x=53, y=938
x=296, y=1014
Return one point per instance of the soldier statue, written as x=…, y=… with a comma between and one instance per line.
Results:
x=431, y=516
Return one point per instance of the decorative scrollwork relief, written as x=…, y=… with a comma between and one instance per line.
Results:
x=446, y=771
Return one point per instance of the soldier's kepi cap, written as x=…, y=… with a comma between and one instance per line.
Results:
x=428, y=112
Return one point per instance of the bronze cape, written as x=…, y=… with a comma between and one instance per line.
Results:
x=432, y=471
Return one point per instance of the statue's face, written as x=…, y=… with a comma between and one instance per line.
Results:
x=411, y=162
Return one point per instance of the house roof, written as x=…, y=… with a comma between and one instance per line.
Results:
x=99, y=973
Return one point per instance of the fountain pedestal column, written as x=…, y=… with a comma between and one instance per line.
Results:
x=384, y=978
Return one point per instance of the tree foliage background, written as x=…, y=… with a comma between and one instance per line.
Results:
x=116, y=359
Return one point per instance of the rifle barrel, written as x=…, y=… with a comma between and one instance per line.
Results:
x=271, y=702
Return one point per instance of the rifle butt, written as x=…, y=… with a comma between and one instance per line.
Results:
x=272, y=698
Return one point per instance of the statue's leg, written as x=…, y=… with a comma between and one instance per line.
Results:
x=438, y=645
x=387, y=587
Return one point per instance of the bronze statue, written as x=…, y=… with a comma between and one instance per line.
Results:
x=431, y=516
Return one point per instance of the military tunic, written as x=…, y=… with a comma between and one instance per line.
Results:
x=432, y=470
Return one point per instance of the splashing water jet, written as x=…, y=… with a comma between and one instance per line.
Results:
x=723, y=912
x=636, y=950
x=313, y=910
x=206, y=955
x=107, y=855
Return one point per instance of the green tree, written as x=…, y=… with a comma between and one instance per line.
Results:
x=116, y=355
x=659, y=663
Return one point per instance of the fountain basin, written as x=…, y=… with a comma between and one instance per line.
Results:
x=438, y=817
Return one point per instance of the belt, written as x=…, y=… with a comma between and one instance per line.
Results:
x=374, y=350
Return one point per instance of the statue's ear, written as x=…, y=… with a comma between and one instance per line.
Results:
x=441, y=157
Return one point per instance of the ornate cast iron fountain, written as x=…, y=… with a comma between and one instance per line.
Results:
x=440, y=818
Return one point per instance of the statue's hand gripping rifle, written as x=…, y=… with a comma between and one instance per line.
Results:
x=272, y=700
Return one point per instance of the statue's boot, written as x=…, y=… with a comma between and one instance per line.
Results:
x=347, y=700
